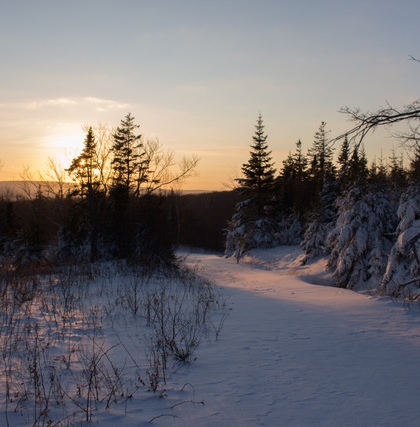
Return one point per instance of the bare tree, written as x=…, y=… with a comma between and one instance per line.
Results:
x=160, y=166
x=104, y=139
x=54, y=180
x=385, y=116
x=28, y=185
x=51, y=183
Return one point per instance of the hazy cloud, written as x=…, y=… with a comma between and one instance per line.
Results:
x=97, y=103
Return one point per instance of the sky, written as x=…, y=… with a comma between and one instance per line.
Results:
x=196, y=74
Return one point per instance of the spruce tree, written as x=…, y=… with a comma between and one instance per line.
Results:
x=378, y=174
x=323, y=190
x=292, y=183
x=344, y=157
x=85, y=215
x=320, y=156
x=402, y=276
x=259, y=171
x=126, y=155
x=358, y=172
x=414, y=172
x=300, y=162
x=362, y=238
x=252, y=224
x=83, y=168
x=126, y=161
x=397, y=174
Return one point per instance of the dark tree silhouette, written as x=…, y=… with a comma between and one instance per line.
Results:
x=84, y=170
x=259, y=172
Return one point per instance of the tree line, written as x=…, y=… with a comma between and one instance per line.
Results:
x=364, y=218
x=114, y=208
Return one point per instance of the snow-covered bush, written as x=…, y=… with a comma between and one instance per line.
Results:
x=289, y=231
x=244, y=234
x=402, y=277
x=314, y=239
x=362, y=238
x=241, y=237
x=235, y=231
x=320, y=223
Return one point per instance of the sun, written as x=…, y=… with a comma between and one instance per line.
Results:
x=64, y=143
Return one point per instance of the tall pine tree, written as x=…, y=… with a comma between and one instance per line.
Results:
x=320, y=156
x=322, y=194
x=292, y=183
x=252, y=224
x=259, y=173
x=126, y=155
x=84, y=168
x=85, y=215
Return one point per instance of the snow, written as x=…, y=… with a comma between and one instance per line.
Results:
x=297, y=354
x=294, y=351
x=410, y=235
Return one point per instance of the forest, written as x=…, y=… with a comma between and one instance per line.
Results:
x=362, y=217
x=121, y=204
x=96, y=302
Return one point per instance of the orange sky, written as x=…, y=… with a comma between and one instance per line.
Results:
x=197, y=74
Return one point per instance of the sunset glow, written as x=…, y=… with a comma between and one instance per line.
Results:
x=196, y=75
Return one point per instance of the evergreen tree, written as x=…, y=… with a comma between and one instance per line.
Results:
x=285, y=184
x=358, y=172
x=84, y=168
x=292, y=183
x=253, y=224
x=84, y=223
x=402, y=277
x=397, y=173
x=323, y=190
x=126, y=155
x=126, y=162
x=414, y=172
x=320, y=156
x=362, y=238
x=378, y=173
x=259, y=172
x=343, y=158
x=353, y=169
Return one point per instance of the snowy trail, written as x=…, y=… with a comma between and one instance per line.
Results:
x=296, y=354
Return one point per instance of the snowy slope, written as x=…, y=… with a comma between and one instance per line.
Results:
x=294, y=351
x=295, y=354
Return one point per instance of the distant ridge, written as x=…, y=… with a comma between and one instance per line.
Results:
x=22, y=188
x=12, y=189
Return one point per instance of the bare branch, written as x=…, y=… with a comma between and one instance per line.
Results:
x=414, y=59
x=28, y=185
x=160, y=163
x=368, y=122
x=232, y=179
x=162, y=415
x=54, y=180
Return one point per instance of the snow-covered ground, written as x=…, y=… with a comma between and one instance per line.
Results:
x=294, y=351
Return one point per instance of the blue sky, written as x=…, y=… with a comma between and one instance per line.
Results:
x=196, y=74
